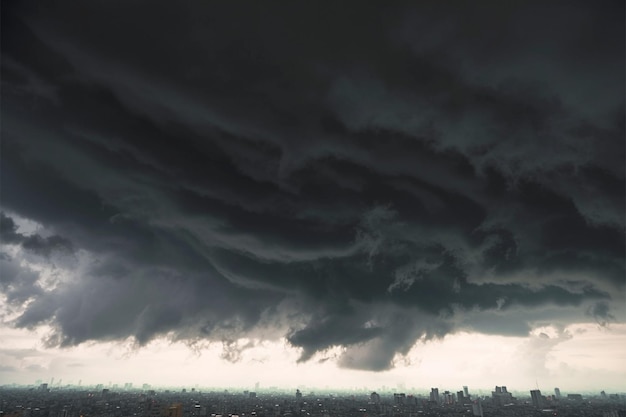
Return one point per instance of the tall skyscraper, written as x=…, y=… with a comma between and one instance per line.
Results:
x=434, y=395
x=557, y=393
x=465, y=391
x=536, y=398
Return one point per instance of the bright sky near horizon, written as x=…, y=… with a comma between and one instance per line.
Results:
x=574, y=360
x=314, y=193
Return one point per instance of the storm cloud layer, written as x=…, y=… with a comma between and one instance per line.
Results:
x=340, y=174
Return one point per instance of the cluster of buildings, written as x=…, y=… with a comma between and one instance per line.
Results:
x=43, y=401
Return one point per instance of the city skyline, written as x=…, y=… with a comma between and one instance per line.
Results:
x=100, y=401
x=314, y=194
x=499, y=395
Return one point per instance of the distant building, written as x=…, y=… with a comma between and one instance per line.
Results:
x=460, y=397
x=399, y=399
x=501, y=396
x=574, y=397
x=174, y=410
x=298, y=395
x=477, y=408
x=557, y=393
x=375, y=398
x=153, y=409
x=434, y=395
x=536, y=398
x=466, y=392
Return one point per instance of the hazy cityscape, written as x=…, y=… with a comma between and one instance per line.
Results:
x=49, y=399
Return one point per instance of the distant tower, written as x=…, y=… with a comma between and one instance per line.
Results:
x=501, y=396
x=298, y=395
x=537, y=400
x=557, y=393
x=375, y=398
x=399, y=398
x=460, y=397
x=477, y=408
x=465, y=391
x=434, y=395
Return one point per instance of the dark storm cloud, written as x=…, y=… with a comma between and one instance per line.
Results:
x=18, y=284
x=34, y=243
x=339, y=174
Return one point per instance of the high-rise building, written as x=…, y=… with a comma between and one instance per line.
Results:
x=477, y=408
x=399, y=399
x=557, y=393
x=434, y=395
x=460, y=397
x=375, y=398
x=501, y=396
x=536, y=398
x=465, y=391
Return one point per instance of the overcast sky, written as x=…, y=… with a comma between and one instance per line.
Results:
x=353, y=194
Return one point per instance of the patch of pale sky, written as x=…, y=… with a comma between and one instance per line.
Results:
x=480, y=361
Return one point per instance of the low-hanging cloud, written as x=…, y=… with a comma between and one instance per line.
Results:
x=360, y=179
